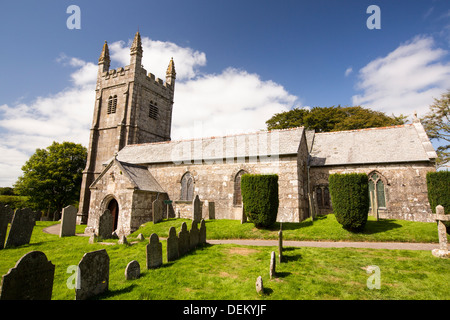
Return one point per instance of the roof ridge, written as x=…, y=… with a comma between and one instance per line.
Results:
x=368, y=129
x=215, y=137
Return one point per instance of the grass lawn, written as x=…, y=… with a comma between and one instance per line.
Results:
x=229, y=272
x=324, y=228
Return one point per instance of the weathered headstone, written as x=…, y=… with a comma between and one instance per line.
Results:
x=259, y=285
x=122, y=240
x=211, y=210
x=140, y=237
x=440, y=217
x=172, y=245
x=183, y=240
x=154, y=252
x=196, y=209
x=133, y=270
x=68, y=222
x=31, y=278
x=273, y=263
x=193, y=235
x=94, y=274
x=21, y=228
x=280, y=243
x=243, y=216
x=158, y=210
x=5, y=212
x=105, y=225
x=202, y=233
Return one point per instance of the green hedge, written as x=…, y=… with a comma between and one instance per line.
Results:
x=438, y=184
x=260, y=198
x=350, y=199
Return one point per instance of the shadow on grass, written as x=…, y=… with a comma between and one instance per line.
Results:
x=112, y=293
x=383, y=225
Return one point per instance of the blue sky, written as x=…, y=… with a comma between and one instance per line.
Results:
x=238, y=62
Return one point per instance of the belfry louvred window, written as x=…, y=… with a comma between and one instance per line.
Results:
x=112, y=104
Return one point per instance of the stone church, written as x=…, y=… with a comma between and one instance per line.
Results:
x=132, y=160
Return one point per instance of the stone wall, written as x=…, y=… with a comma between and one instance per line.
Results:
x=215, y=182
x=405, y=188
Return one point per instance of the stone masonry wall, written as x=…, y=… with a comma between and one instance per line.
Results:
x=406, y=189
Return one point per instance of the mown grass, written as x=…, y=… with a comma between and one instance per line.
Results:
x=324, y=228
x=229, y=272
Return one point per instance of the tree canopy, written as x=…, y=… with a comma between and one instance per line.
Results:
x=52, y=177
x=437, y=125
x=326, y=119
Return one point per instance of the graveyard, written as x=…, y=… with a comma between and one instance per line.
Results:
x=208, y=271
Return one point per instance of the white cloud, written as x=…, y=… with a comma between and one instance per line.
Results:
x=407, y=79
x=348, y=71
x=217, y=104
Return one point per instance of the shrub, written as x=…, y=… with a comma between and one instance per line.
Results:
x=438, y=184
x=350, y=199
x=260, y=198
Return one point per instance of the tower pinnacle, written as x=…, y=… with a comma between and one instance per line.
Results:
x=170, y=73
x=104, y=59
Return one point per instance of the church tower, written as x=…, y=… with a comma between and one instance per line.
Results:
x=131, y=107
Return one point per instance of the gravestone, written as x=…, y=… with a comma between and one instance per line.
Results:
x=133, y=270
x=172, y=245
x=123, y=240
x=259, y=285
x=154, y=252
x=273, y=263
x=193, y=235
x=196, y=209
x=211, y=210
x=158, y=210
x=202, y=233
x=243, y=216
x=5, y=213
x=68, y=222
x=183, y=240
x=21, y=228
x=105, y=225
x=31, y=278
x=94, y=274
x=140, y=237
x=440, y=217
x=280, y=243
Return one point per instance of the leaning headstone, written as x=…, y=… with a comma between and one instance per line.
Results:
x=94, y=274
x=193, y=235
x=105, y=225
x=273, y=263
x=211, y=210
x=5, y=212
x=68, y=222
x=197, y=209
x=21, y=228
x=183, y=240
x=202, y=233
x=440, y=217
x=158, y=210
x=133, y=270
x=154, y=252
x=31, y=278
x=172, y=245
x=259, y=285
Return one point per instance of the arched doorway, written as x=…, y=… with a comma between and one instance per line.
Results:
x=113, y=207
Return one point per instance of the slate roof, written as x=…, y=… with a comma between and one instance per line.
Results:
x=405, y=143
x=263, y=143
x=141, y=177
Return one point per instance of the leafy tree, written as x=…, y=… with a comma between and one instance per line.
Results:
x=437, y=125
x=333, y=119
x=52, y=177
